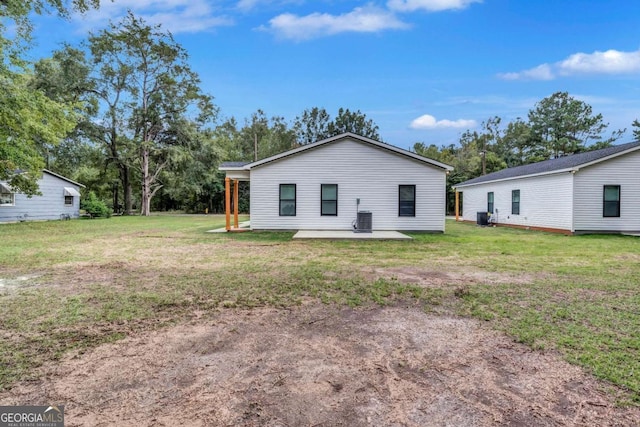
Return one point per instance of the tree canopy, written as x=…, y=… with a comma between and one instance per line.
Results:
x=124, y=107
x=29, y=119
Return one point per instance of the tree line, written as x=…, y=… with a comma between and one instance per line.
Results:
x=124, y=114
x=558, y=125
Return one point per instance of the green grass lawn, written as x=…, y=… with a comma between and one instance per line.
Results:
x=71, y=285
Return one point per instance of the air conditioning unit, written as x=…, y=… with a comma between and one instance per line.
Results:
x=364, y=222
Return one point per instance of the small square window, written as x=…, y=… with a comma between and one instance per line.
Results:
x=68, y=200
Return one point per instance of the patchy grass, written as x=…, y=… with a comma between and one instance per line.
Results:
x=90, y=282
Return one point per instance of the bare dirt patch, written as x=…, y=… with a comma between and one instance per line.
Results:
x=438, y=279
x=322, y=366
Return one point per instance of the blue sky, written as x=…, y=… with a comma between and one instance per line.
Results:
x=423, y=70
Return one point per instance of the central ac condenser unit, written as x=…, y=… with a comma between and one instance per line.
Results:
x=364, y=222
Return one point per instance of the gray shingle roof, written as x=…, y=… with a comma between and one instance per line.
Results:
x=233, y=164
x=548, y=166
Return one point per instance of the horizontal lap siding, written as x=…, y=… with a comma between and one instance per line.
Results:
x=361, y=171
x=589, y=182
x=545, y=201
x=48, y=206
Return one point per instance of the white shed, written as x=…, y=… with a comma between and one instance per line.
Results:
x=322, y=186
x=592, y=192
x=60, y=199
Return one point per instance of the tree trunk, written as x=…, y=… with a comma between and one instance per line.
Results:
x=146, y=183
x=126, y=188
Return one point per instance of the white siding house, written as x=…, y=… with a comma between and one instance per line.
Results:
x=317, y=187
x=60, y=199
x=595, y=191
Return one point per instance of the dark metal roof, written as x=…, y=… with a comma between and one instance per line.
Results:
x=233, y=164
x=552, y=165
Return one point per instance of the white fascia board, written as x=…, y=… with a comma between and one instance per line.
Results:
x=572, y=170
x=64, y=178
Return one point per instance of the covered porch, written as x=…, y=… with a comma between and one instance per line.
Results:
x=235, y=173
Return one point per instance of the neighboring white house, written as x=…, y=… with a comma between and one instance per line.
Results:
x=591, y=192
x=318, y=187
x=60, y=199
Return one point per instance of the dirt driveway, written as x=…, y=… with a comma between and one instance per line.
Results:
x=322, y=366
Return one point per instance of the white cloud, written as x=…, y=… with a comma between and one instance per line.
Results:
x=429, y=5
x=177, y=16
x=541, y=72
x=427, y=121
x=608, y=62
x=248, y=5
x=368, y=19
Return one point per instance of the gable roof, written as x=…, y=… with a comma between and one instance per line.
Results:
x=562, y=164
x=5, y=185
x=348, y=135
x=63, y=178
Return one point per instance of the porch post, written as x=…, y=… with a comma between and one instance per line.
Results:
x=235, y=203
x=227, y=201
x=457, y=205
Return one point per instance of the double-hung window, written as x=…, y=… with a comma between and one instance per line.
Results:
x=515, y=202
x=407, y=200
x=329, y=199
x=287, y=200
x=490, y=202
x=611, y=201
x=6, y=196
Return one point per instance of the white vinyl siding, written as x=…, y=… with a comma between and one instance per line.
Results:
x=50, y=205
x=545, y=201
x=589, y=187
x=361, y=171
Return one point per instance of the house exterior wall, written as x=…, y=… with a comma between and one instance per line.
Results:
x=545, y=201
x=588, y=193
x=361, y=171
x=48, y=206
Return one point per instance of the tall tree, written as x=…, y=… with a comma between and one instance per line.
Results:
x=64, y=78
x=516, y=144
x=563, y=125
x=312, y=125
x=487, y=139
x=636, y=129
x=355, y=122
x=155, y=98
x=28, y=119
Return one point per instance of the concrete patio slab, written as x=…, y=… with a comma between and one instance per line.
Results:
x=350, y=235
x=242, y=225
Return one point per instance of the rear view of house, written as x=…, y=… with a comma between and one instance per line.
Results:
x=592, y=192
x=60, y=199
x=323, y=186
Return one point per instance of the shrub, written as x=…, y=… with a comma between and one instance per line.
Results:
x=94, y=206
